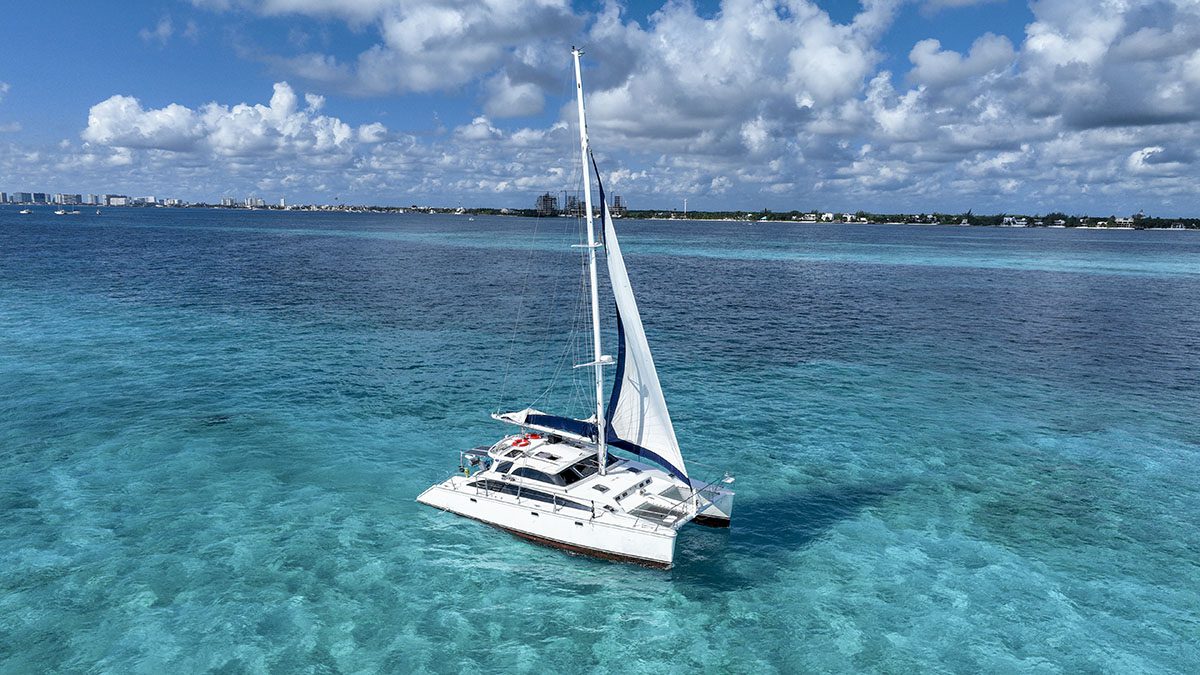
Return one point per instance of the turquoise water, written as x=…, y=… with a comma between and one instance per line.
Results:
x=957, y=449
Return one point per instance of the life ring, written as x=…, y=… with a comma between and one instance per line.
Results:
x=533, y=437
x=521, y=442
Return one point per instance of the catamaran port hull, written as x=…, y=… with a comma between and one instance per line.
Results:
x=603, y=535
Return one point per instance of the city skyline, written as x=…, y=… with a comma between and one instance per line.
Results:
x=547, y=204
x=887, y=105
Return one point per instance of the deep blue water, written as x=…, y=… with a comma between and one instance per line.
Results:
x=956, y=449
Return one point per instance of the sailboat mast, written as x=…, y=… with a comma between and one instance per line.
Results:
x=592, y=244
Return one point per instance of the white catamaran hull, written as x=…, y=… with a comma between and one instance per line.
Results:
x=716, y=505
x=572, y=529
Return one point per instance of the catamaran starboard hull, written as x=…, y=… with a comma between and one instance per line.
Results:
x=717, y=510
x=569, y=529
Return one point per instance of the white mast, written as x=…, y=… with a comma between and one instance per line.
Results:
x=597, y=360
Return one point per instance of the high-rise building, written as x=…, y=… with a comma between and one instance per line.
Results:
x=618, y=206
x=40, y=198
x=547, y=205
x=22, y=197
x=3, y=197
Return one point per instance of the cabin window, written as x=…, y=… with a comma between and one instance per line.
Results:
x=582, y=469
x=504, y=467
x=527, y=493
x=534, y=474
x=577, y=472
x=586, y=467
x=548, y=457
x=600, y=488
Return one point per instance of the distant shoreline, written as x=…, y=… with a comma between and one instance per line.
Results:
x=1005, y=221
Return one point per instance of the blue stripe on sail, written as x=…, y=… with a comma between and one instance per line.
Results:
x=619, y=378
x=647, y=454
x=600, y=186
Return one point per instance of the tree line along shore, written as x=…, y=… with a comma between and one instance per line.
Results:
x=1053, y=219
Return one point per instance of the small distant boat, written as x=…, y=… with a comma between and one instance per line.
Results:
x=73, y=212
x=60, y=212
x=25, y=212
x=97, y=211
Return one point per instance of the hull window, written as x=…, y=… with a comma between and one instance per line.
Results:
x=527, y=493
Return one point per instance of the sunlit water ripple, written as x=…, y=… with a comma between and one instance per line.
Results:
x=956, y=449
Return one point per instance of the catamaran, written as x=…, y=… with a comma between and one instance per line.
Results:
x=555, y=481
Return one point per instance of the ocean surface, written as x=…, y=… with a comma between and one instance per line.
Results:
x=956, y=449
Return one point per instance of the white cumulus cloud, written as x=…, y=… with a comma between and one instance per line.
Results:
x=423, y=45
x=280, y=128
x=506, y=98
x=937, y=67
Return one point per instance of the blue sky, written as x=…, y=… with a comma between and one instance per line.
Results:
x=886, y=105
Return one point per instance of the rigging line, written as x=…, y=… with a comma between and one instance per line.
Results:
x=582, y=306
x=569, y=351
x=582, y=309
x=557, y=294
x=583, y=383
x=570, y=346
x=563, y=356
x=512, y=339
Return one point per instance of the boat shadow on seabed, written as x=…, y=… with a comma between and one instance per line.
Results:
x=766, y=528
